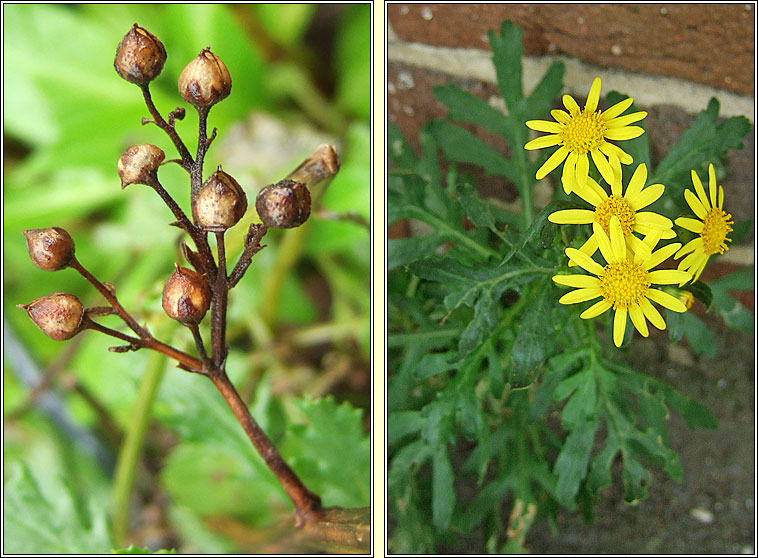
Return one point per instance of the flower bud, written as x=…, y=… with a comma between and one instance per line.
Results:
x=58, y=315
x=50, y=249
x=186, y=296
x=139, y=163
x=284, y=205
x=205, y=81
x=220, y=202
x=140, y=56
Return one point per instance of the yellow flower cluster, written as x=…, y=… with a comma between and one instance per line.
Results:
x=625, y=282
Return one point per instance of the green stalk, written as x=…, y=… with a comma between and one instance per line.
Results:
x=526, y=183
x=131, y=449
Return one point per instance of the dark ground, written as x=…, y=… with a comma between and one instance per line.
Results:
x=719, y=465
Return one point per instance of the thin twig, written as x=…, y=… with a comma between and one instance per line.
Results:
x=187, y=161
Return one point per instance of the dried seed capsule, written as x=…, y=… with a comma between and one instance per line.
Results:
x=50, y=249
x=186, y=296
x=58, y=315
x=140, y=56
x=284, y=205
x=220, y=202
x=139, y=163
x=205, y=81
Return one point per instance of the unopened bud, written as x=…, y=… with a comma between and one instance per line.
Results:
x=50, y=249
x=205, y=81
x=58, y=315
x=186, y=296
x=140, y=56
x=139, y=163
x=220, y=202
x=284, y=205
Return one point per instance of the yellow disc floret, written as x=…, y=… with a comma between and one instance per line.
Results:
x=619, y=207
x=715, y=228
x=624, y=284
x=584, y=133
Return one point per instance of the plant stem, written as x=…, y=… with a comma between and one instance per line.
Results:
x=305, y=501
x=218, y=312
x=166, y=127
x=131, y=449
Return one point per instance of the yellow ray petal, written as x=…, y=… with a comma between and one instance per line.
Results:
x=582, y=169
x=699, y=189
x=543, y=141
x=596, y=309
x=584, y=261
x=652, y=314
x=560, y=116
x=668, y=276
x=604, y=243
x=721, y=197
x=666, y=300
x=712, y=184
x=580, y=295
x=626, y=133
x=660, y=256
x=568, y=176
x=646, y=197
x=652, y=220
x=636, y=183
x=619, y=325
x=625, y=120
x=618, y=245
x=602, y=165
x=638, y=319
x=570, y=104
x=572, y=217
x=690, y=224
x=617, y=109
x=695, y=205
x=577, y=281
x=589, y=248
x=594, y=96
x=694, y=244
x=610, y=149
x=544, y=126
x=553, y=161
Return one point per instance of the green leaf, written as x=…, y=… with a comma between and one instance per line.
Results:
x=507, y=51
x=573, y=459
x=461, y=146
x=33, y=524
x=531, y=345
x=402, y=423
x=477, y=210
x=548, y=89
x=698, y=336
x=402, y=251
x=398, y=149
x=465, y=107
x=701, y=143
x=636, y=479
x=443, y=495
x=558, y=367
x=702, y=292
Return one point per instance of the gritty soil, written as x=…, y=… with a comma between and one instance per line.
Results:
x=712, y=509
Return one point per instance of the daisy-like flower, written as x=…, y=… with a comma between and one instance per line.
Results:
x=625, y=282
x=712, y=225
x=626, y=207
x=580, y=133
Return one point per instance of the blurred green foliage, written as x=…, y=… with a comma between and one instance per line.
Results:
x=302, y=70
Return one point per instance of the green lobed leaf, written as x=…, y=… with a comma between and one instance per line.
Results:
x=402, y=251
x=465, y=107
x=443, y=495
x=530, y=348
x=702, y=292
x=573, y=459
x=402, y=423
x=507, y=51
x=475, y=208
x=32, y=524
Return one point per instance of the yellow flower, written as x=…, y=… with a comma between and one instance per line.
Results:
x=624, y=283
x=712, y=227
x=625, y=207
x=579, y=132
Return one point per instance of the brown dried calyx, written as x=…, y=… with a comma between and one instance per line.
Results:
x=58, y=315
x=140, y=56
x=205, y=81
x=220, y=202
x=50, y=249
x=284, y=205
x=186, y=296
x=139, y=164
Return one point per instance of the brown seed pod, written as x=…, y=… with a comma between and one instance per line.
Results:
x=220, y=202
x=50, y=249
x=58, y=315
x=205, y=80
x=186, y=296
x=284, y=205
x=140, y=56
x=139, y=163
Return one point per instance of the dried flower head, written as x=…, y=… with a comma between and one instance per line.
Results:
x=58, y=315
x=205, y=80
x=50, y=249
x=139, y=163
x=284, y=205
x=186, y=296
x=220, y=202
x=140, y=56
